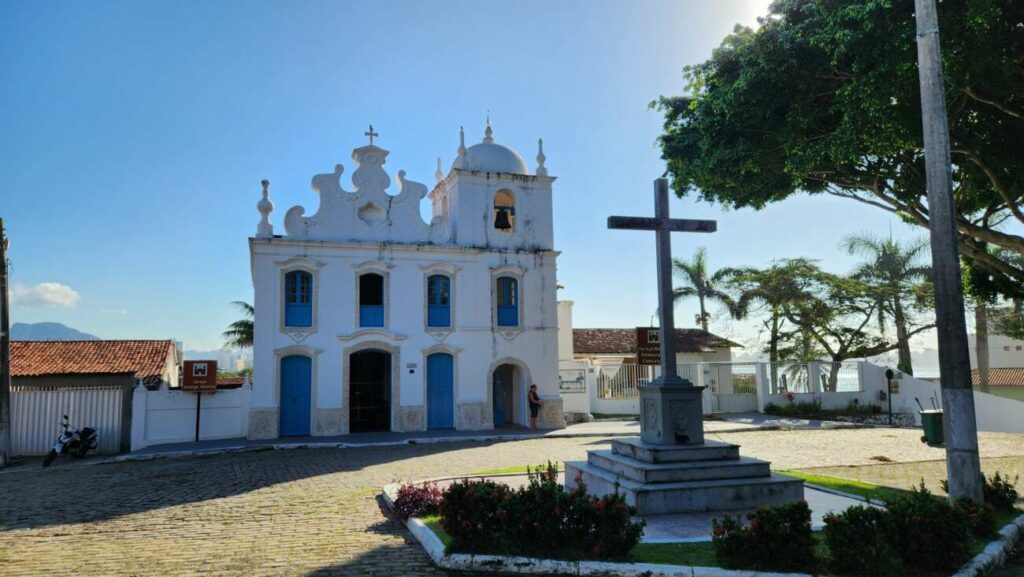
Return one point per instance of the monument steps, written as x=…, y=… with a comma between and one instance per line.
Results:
x=706, y=451
x=643, y=472
x=689, y=496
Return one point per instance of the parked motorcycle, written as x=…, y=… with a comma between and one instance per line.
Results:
x=72, y=441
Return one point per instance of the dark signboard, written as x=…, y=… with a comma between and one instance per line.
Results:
x=648, y=346
x=200, y=376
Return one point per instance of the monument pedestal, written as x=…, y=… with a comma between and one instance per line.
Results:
x=684, y=478
x=671, y=414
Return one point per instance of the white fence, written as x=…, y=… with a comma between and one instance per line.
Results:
x=165, y=416
x=37, y=413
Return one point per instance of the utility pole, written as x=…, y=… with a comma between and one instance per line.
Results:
x=5, y=355
x=963, y=467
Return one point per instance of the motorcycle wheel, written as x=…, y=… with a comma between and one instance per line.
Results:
x=49, y=458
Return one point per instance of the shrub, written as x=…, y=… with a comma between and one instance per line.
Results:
x=981, y=517
x=861, y=543
x=539, y=519
x=776, y=538
x=474, y=513
x=999, y=491
x=416, y=500
x=932, y=534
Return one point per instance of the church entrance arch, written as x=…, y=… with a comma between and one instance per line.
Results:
x=506, y=395
x=370, y=391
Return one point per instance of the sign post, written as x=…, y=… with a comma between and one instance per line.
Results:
x=648, y=346
x=671, y=411
x=200, y=377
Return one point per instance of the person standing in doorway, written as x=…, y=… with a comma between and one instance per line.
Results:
x=534, y=400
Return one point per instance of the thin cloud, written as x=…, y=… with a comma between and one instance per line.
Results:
x=44, y=294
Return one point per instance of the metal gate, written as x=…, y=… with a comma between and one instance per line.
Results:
x=733, y=386
x=37, y=412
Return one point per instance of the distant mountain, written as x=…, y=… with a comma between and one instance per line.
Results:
x=48, y=332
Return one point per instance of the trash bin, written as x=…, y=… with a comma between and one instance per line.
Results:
x=931, y=421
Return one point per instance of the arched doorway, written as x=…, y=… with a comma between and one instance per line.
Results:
x=296, y=398
x=505, y=395
x=369, y=391
x=440, y=391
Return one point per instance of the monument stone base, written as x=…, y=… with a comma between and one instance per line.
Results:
x=683, y=478
x=671, y=414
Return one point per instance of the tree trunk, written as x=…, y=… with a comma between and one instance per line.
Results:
x=981, y=343
x=773, y=349
x=703, y=314
x=905, y=363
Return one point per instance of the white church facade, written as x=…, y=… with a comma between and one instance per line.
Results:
x=367, y=318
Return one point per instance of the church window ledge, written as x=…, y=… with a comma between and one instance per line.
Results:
x=379, y=333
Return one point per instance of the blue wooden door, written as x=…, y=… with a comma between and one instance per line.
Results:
x=296, y=372
x=440, y=391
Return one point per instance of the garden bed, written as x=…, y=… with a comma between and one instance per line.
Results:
x=695, y=559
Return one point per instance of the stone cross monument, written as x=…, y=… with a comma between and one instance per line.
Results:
x=671, y=412
x=671, y=468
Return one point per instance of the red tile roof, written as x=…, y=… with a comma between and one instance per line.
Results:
x=147, y=360
x=623, y=341
x=1001, y=377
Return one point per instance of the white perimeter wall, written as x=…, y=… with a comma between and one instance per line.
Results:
x=166, y=416
x=993, y=413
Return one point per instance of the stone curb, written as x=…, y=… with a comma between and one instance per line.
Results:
x=531, y=566
x=851, y=496
x=996, y=552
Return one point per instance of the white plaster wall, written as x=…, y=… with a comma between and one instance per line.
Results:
x=166, y=416
x=565, y=352
x=993, y=413
x=1003, y=352
x=477, y=345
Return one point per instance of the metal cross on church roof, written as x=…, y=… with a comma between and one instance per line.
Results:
x=371, y=134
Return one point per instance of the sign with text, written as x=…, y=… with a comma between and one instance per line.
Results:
x=200, y=376
x=648, y=346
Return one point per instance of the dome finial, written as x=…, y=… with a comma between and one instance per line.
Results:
x=460, y=159
x=541, y=169
x=438, y=175
x=265, y=229
x=488, y=132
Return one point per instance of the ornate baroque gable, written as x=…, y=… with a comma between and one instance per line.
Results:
x=369, y=213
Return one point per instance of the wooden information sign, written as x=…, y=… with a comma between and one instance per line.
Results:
x=200, y=377
x=648, y=346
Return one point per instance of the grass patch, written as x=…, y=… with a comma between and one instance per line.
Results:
x=433, y=522
x=860, y=488
x=510, y=470
x=700, y=554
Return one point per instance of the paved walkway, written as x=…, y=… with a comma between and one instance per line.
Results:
x=606, y=428
x=311, y=512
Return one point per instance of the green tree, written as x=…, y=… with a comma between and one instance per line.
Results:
x=824, y=99
x=239, y=333
x=770, y=290
x=697, y=283
x=899, y=281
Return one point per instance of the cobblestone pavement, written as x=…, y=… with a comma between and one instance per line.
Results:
x=307, y=512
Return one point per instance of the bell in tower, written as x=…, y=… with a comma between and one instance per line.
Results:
x=501, y=218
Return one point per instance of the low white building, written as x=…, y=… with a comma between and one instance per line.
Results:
x=370, y=319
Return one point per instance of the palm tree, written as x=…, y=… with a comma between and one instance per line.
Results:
x=239, y=333
x=696, y=282
x=895, y=271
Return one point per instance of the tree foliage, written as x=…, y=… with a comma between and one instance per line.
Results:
x=239, y=333
x=698, y=283
x=824, y=99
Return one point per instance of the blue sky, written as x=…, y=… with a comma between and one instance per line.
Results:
x=136, y=134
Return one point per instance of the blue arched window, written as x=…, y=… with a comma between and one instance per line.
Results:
x=371, y=300
x=439, y=308
x=508, y=302
x=298, y=299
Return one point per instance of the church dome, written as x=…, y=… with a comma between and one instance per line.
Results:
x=489, y=156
